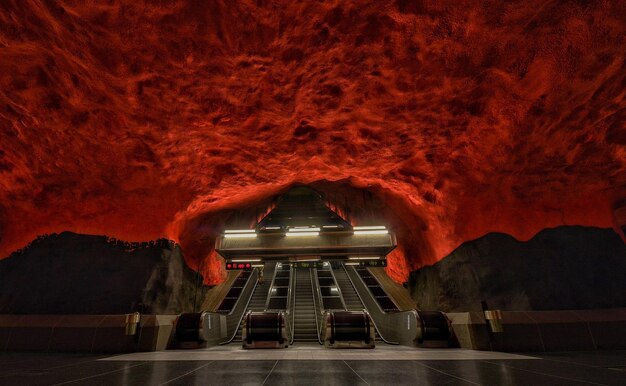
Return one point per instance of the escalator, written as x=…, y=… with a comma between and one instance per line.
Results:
x=259, y=297
x=305, y=323
x=350, y=296
x=411, y=327
x=316, y=302
x=381, y=308
x=235, y=302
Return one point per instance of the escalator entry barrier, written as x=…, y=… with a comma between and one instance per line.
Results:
x=265, y=330
x=189, y=331
x=434, y=329
x=348, y=329
x=197, y=329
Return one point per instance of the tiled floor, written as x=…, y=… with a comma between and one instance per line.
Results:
x=310, y=365
x=313, y=351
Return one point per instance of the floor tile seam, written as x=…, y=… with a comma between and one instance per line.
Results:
x=270, y=373
x=600, y=367
x=15, y=372
x=99, y=375
x=448, y=374
x=187, y=373
x=315, y=357
x=546, y=374
x=18, y=363
x=357, y=374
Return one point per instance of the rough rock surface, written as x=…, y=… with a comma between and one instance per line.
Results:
x=561, y=268
x=148, y=119
x=81, y=274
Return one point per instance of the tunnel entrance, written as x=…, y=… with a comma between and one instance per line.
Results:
x=304, y=273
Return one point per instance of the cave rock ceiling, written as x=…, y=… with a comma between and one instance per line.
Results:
x=147, y=119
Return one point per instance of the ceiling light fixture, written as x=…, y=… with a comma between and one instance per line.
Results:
x=303, y=234
x=381, y=232
x=239, y=231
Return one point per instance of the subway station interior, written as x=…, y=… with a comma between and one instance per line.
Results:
x=312, y=193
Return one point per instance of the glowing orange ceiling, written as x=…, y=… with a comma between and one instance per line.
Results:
x=143, y=119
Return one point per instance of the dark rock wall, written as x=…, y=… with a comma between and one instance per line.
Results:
x=561, y=268
x=81, y=274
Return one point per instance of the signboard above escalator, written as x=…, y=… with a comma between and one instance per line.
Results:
x=373, y=263
x=307, y=264
x=230, y=265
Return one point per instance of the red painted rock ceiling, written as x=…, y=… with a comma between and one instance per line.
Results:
x=146, y=119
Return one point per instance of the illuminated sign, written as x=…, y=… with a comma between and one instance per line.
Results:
x=307, y=264
x=234, y=265
x=373, y=263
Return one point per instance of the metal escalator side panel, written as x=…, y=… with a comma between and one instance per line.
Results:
x=347, y=290
x=257, y=294
x=384, y=323
x=343, y=302
x=216, y=300
x=291, y=304
x=391, y=304
x=272, y=287
x=235, y=317
x=386, y=303
x=317, y=303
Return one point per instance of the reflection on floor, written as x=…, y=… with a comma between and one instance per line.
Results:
x=565, y=368
x=313, y=351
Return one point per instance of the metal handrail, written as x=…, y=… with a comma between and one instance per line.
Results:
x=332, y=272
x=319, y=309
x=291, y=303
x=376, y=307
x=269, y=293
x=254, y=277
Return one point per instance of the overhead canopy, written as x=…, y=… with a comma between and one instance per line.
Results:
x=277, y=246
x=302, y=208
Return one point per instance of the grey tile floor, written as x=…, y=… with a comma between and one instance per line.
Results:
x=343, y=367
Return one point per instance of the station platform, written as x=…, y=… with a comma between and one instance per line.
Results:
x=307, y=364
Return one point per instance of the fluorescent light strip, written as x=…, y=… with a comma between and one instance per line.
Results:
x=241, y=236
x=297, y=261
x=303, y=234
x=350, y=263
x=239, y=231
x=245, y=260
x=330, y=226
x=369, y=228
x=271, y=228
x=371, y=232
x=365, y=258
x=304, y=229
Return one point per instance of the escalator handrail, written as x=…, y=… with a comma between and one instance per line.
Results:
x=317, y=295
x=377, y=308
x=269, y=293
x=253, y=276
x=332, y=272
x=291, y=302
